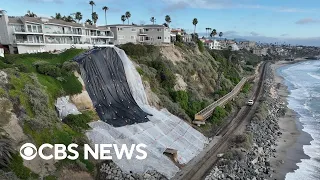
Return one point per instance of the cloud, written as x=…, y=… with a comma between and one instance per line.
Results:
x=176, y=6
x=47, y=1
x=308, y=21
x=283, y=35
x=230, y=33
x=254, y=33
x=310, y=41
x=228, y=4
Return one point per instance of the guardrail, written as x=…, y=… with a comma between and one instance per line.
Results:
x=205, y=113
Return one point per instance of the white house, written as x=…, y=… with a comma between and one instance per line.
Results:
x=211, y=44
x=32, y=35
x=234, y=47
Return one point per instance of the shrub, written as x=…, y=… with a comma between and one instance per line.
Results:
x=134, y=49
x=47, y=69
x=140, y=71
x=246, y=88
x=242, y=140
x=200, y=46
x=70, y=66
x=174, y=108
x=3, y=93
x=22, y=68
x=234, y=154
x=179, y=38
x=228, y=107
x=10, y=59
x=71, y=85
x=218, y=115
x=78, y=122
x=37, y=98
x=181, y=97
x=6, y=151
x=165, y=76
x=20, y=170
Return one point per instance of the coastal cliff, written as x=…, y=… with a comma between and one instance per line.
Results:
x=182, y=78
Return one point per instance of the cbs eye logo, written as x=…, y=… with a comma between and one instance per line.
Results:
x=28, y=151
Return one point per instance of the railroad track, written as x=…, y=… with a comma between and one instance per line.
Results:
x=204, y=166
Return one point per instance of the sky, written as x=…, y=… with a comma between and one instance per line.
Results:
x=289, y=21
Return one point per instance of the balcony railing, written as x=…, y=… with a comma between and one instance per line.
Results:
x=28, y=42
x=23, y=30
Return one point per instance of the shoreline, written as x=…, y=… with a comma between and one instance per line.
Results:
x=289, y=149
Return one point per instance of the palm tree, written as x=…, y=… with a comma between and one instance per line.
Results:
x=152, y=19
x=69, y=19
x=105, y=8
x=220, y=34
x=92, y=3
x=123, y=18
x=168, y=20
x=57, y=16
x=128, y=15
x=78, y=16
x=89, y=21
x=213, y=33
x=2, y=11
x=195, y=22
x=30, y=14
x=95, y=17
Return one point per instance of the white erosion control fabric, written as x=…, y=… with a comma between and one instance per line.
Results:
x=164, y=130
x=64, y=107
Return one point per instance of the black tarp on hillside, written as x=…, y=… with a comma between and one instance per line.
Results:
x=105, y=80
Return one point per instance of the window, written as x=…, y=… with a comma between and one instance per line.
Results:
x=34, y=28
x=159, y=30
x=29, y=28
x=119, y=29
x=147, y=38
x=146, y=30
x=133, y=30
x=30, y=39
x=132, y=37
x=159, y=37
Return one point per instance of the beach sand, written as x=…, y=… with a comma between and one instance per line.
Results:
x=289, y=151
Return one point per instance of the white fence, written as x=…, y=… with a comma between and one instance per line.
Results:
x=23, y=49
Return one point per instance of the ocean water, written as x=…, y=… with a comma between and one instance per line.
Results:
x=303, y=81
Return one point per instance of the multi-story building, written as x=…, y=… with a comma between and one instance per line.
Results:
x=148, y=34
x=185, y=37
x=248, y=45
x=260, y=51
x=211, y=44
x=30, y=34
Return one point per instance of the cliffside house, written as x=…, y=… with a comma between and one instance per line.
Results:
x=145, y=34
x=32, y=35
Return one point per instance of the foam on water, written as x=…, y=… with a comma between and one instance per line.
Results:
x=303, y=81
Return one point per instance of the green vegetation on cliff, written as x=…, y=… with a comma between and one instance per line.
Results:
x=186, y=78
x=35, y=81
x=209, y=75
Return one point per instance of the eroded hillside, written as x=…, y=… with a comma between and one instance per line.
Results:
x=181, y=78
x=185, y=80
